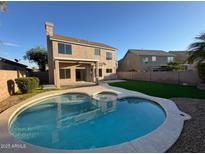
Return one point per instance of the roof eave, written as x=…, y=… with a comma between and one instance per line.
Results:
x=62, y=40
x=12, y=62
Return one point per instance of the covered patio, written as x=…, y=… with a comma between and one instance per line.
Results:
x=69, y=72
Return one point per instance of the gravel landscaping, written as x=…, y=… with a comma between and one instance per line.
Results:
x=192, y=138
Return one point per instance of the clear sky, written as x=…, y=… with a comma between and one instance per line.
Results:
x=123, y=25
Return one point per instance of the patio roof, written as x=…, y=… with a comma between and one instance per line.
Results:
x=76, y=59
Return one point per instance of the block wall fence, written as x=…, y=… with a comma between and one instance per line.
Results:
x=188, y=77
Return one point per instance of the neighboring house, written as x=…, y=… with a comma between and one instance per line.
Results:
x=6, y=64
x=181, y=58
x=144, y=60
x=71, y=60
x=9, y=71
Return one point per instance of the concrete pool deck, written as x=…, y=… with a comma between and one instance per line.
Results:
x=159, y=140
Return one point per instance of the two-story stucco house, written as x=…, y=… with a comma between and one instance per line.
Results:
x=71, y=60
x=144, y=60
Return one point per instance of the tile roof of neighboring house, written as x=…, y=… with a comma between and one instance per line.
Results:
x=12, y=62
x=181, y=56
x=150, y=52
x=80, y=41
x=176, y=51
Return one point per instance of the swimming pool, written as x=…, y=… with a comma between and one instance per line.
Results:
x=77, y=121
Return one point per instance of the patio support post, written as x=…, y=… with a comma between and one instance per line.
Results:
x=97, y=72
x=88, y=75
x=56, y=74
x=93, y=73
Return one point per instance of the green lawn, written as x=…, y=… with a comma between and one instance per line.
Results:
x=161, y=89
x=33, y=93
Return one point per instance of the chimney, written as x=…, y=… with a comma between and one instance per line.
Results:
x=49, y=28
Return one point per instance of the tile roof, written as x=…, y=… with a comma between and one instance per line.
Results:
x=150, y=52
x=80, y=41
x=179, y=51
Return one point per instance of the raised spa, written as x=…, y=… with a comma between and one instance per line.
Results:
x=77, y=121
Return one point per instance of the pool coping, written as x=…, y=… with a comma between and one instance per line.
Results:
x=159, y=140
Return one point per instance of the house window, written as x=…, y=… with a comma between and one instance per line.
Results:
x=108, y=70
x=170, y=59
x=61, y=48
x=154, y=58
x=108, y=56
x=64, y=73
x=145, y=60
x=64, y=48
x=100, y=72
x=97, y=51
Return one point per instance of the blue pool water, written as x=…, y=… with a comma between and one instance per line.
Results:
x=75, y=121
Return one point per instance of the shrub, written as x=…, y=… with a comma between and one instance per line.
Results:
x=37, y=81
x=173, y=66
x=201, y=71
x=27, y=84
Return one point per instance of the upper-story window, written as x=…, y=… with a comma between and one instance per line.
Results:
x=97, y=51
x=145, y=60
x=154, y=58
x=64, y=48
x=108, y=55
x=170, y=59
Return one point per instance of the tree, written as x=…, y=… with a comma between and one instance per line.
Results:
x=173, y=66
x=197, y=50
x=3, y=6
x=37, y=55
x=197, y=54
x=201, y=70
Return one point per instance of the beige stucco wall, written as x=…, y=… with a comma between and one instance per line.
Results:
x=50, y=61
x=129, y=62
x=7, y=82
x=81, y=52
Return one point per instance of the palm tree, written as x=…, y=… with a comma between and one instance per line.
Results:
x=197, y=54
x=197, y=50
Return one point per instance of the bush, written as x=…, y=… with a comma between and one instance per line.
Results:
x=37, y=81
x=174, y=66
x=201, y=71
x=27, y=84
